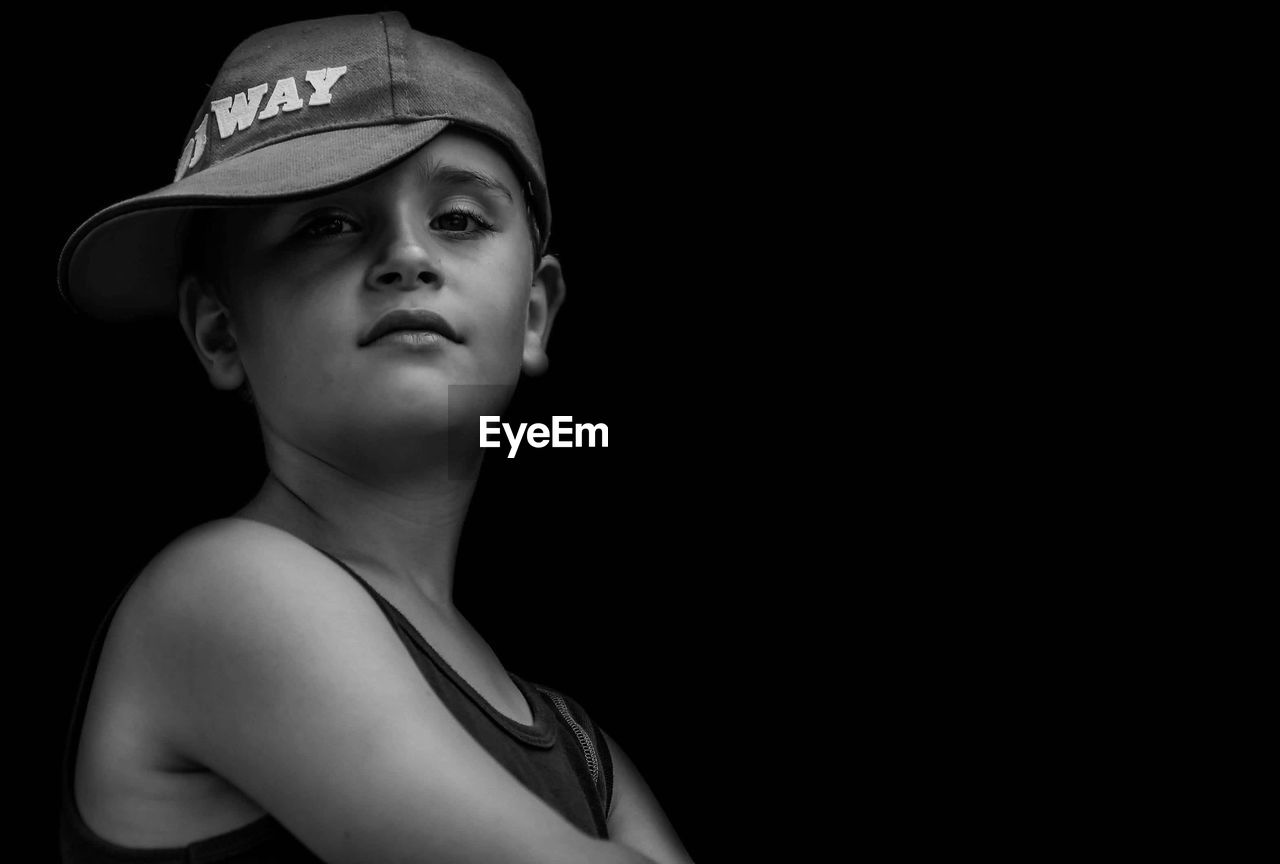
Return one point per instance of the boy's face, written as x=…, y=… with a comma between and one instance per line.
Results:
x=309, y=279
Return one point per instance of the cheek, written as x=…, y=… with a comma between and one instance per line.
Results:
x=508, y=317
x=502, y=313
x=290, y=356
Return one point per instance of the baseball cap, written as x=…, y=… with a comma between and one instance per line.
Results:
x=297, y=110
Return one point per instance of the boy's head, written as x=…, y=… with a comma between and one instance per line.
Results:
x=296, y=111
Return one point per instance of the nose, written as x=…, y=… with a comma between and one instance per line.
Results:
x=407, y=260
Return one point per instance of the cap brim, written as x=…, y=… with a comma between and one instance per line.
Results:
x=122, y=264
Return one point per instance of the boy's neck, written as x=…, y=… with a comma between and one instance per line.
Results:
x=403, y=539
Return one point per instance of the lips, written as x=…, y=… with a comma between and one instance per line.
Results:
x=409, y=319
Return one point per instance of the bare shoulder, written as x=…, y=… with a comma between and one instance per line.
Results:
x=207, y=556
x=235, y=615
x=212, y=603
x=279, y=673
x=232, y=578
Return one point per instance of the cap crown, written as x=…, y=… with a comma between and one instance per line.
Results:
x=307, y=77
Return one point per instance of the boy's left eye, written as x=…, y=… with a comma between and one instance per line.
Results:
x=456, y=222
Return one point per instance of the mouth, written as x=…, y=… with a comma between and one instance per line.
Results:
x=414, y=324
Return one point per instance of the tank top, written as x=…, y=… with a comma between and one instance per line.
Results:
x=562, y=757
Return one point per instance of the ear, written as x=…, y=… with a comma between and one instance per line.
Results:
x=545, y=299
x=207, y=323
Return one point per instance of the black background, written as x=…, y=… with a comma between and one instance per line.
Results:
x=642, y=580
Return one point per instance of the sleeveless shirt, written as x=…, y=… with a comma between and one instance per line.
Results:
x=561, y=757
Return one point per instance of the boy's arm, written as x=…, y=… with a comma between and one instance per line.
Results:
x=636, y=820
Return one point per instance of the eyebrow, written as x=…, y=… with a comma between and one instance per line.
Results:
x=452, y=175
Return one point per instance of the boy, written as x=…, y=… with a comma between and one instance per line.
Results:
x=382, y=237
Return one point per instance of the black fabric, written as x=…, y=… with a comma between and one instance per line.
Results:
x=547, y=756
x=604, y=788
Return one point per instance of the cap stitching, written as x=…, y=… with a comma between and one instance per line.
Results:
x=391, y=75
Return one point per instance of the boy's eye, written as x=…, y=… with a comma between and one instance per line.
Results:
x=459, y=221
x=327, y=225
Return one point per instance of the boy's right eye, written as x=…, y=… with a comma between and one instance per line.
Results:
x=326, y=225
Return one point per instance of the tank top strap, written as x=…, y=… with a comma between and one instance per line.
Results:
x=448, y=683
x=378, y=598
